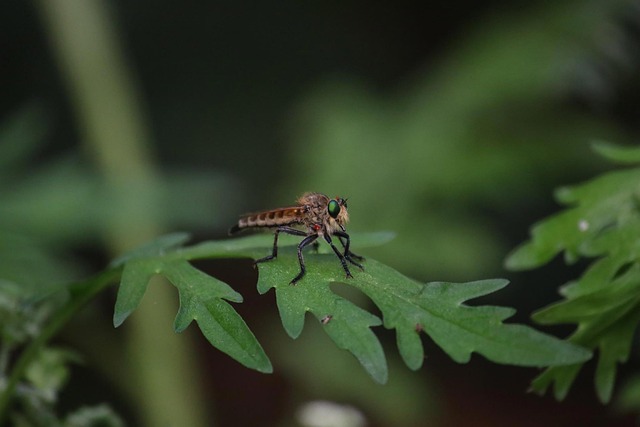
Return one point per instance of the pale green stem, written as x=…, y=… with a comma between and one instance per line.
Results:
x=103, y=93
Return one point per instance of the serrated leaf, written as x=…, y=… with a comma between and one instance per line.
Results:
x=603, y=221
x=201, y=299
x=613, y=338
x=438, y=309
x=133, y=285
x=201, y=296
x=561, y=377
x=409, y=307
x=614, y=349
x=602, y=306
x=600, y=203
x=348, y=325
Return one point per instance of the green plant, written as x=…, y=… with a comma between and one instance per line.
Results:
x=407, y=306
x=31, y=313
x=601, y=223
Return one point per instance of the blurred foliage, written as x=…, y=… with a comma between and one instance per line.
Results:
x=63, y=204
x=481, y=130
x=628, y=400
x=601, y=222
x=22, y=319
x=68, y=202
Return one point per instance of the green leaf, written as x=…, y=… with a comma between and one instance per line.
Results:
x=202, y=296
x=201, y=299
x=599, y=204
x=459, y=329
x=195, y=288
x=133, y=285
x=409, y=307
x=602, y=221
x=617, y=153
x=614, y=349
x=613, y=339
x=348, y=325
x=560, y=376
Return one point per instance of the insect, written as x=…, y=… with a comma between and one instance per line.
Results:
x=316, y=216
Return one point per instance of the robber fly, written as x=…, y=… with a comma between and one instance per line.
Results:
x=316, y=216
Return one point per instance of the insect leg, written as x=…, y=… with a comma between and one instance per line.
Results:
x=274, y=254
x=340, y=256
x=305, y=242
x=341, y=235
x=347, y=252
x=287, y=230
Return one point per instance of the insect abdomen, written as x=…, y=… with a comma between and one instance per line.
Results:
x=272, y=218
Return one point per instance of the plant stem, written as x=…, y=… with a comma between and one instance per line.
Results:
x=81, y=294
x=111, y=118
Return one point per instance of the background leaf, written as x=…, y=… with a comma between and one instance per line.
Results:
x=617, y=153
x=602, y=221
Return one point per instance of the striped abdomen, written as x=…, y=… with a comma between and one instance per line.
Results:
x=272, y=218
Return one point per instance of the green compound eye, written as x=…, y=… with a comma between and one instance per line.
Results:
x=333, y=208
